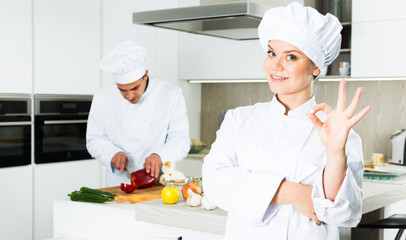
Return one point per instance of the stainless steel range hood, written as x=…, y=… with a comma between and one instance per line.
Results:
x=232, y=20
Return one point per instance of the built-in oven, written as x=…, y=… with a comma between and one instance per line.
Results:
x=15, y=130
x=60, y=127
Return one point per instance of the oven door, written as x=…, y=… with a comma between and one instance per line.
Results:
x=60, y=138
x=15, y=141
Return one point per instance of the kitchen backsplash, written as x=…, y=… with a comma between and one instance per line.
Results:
x=387, y=99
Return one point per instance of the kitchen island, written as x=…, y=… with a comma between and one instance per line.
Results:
x=113, y=220
x=156, y=220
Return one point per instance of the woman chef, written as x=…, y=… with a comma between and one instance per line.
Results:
x=289, y=168
x=138, y=122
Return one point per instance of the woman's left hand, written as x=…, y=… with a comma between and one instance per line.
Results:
x=334, y=131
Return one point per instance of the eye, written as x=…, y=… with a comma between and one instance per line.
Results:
x=291, y=57
x=271, y=54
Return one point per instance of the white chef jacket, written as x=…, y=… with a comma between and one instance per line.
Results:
x=256, y=148
x=156, y=124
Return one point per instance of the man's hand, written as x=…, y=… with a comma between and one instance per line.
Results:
x=119, y=161
x=153, y=164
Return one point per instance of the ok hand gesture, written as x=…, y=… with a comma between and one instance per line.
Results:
x=334, y=131
x=333, y=134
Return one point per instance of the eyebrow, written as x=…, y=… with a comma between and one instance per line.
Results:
x=289, y=51
x=134, y=88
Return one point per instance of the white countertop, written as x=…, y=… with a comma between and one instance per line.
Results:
x=181, y=216
x=376, y=196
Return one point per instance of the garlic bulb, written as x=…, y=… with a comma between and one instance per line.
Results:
x=175, y=176
x=206, y=204
x=194, y=199
x=167, y=167
x=163, y=178
x=169, y=174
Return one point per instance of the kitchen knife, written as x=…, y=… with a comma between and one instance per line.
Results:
x=127, y=174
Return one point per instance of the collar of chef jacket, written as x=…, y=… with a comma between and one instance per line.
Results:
x=299, y=112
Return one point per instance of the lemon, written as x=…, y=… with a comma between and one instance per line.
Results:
x=170, y=195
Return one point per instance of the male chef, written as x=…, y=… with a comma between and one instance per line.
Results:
x=137, y=122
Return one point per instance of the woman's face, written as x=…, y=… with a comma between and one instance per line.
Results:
x=288, y=70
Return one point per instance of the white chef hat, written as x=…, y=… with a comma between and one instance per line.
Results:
x=316, y=35
x=126, y=62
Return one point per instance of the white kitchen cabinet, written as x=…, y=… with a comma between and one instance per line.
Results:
x=67, y=36
x=205, y=57
x=56, y=180
x=378, y=38
x=15, y=46
x=378, y=48
x=160, y=232
x=118, y=27
x=162, y=45
x=377, y=10
x=70, y=217
x=16, y=202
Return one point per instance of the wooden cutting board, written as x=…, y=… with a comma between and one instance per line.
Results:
x=141, y=195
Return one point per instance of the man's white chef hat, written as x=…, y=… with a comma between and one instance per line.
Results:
x=126, y=62
x=316, y=35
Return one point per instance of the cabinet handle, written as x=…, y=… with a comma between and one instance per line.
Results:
x=14, y=123
x=64, y=121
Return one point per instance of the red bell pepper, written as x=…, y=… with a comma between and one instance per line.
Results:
x=128, y=188
x=142, y=179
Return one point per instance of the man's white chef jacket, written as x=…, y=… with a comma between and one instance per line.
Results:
x=156, y=124
x=256, y=148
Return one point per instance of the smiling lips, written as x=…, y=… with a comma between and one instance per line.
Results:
x=276, y=78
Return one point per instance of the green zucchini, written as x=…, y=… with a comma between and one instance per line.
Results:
x=97, y=192
x=88, y=197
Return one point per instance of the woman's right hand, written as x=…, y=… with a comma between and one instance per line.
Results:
x=303, y=202
x=299, y=195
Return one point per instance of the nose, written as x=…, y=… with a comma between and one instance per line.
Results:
x=278, y=63
x=129, y=95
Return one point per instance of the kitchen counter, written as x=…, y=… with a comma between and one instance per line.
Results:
x=155, y=220
x=155, y=211
x=112, y=220
x=376, y=196
x=379, y=195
